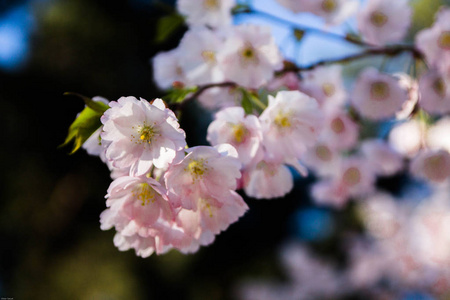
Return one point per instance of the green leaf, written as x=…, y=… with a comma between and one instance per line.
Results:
x=97, y=106
x=246, y=102
x=177, y=95
x=86, y=123
x=167, y=26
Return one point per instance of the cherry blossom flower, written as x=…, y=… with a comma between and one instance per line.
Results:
x=434, y=93
x=384, y=160
x=199, y=60
x=210, y=218
x=204, y=173
x=267, y=180
x=167, y=69
x=326, y=86
x=434, y=42
x=437, y=136
x=220, y=97
x=214, y=13
x=231, y=126
x=250, y=56
x=322, y=158
x=137, y=207
x=382, y=21
x=432, y=165
x=339, y=131
x=138, y=134
x=290, y=125
x=408, y=137
x=354, y=177
x=377, y=96
x=412, y=87
x=334, y=12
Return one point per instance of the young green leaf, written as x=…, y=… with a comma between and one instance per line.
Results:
x=86, y=123
x=167, y=26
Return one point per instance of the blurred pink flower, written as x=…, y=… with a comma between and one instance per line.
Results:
x=377, y=96
x=214, y=13
x=383, y=21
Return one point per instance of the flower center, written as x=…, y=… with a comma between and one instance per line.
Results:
x=329, y=5
x=144, y=193
x=248, y=55
x=240, y=133
x=328, y=89
x=323, y=152
x=378, y=19
x=337, y=125
x=352, y=176
x=444, y=40
x=209, y=57
x=379, y=90
x=282, y=120
x=197, y=168
x=146, y=134
x=211, y=4
x=439, y=87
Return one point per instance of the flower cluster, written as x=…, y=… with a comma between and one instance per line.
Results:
x=164, y=195
x=272, y=119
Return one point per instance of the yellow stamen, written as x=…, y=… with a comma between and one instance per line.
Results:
x=282, y=120
x=444, y=40
x=379, y=90
x=378, y=19
x=337, y=125
x=211, y=4
x=240, y=133
x=144, y=193
x=329, y=5
x=323, y=152
x=352, y=176
x=197, y=168
x=328, y=89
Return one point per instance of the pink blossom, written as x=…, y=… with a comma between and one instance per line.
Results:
x=231, y=126
x=287, y=81
x=267, y=180
x=334, y=12
x=220, y=97
x=322, y=158
x=214, y=13
x=199, y=47
x=382, y=21
x=167, y=69
x=290, y=125
x=250, y=56
x=210, y=218
x=437, y=135
x=330, y=192
x=326, y=86
x=139, y=135
x=408, y=138
x=412, y=87
x=384, y=160
x=204, y=173
x=377, y=96
x=137, y=206
x=434, y=42
x=434, y=93
x=432, y=165
x=339, y=131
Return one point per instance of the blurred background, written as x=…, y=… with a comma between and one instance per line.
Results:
x=51, y=245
